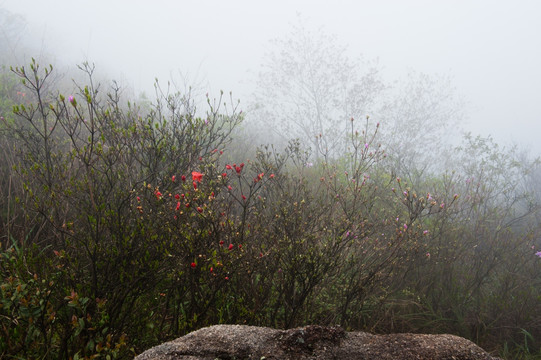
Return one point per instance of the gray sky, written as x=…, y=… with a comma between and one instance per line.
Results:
x=491, y=49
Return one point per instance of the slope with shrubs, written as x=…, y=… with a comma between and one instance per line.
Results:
x=124, y=226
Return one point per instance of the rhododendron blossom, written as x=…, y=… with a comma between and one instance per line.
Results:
x=197, y=176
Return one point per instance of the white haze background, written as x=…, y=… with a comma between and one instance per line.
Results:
x=490, y=49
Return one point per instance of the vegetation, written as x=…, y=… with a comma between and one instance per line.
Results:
x=124, y=226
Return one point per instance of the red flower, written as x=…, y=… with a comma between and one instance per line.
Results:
x=138, y=198
x=178, y=205
x=230, y=246
x=194, y=185
x=229, y=187
x=259, y=177
x=193, y=265
x=187, y=205
x=228, y=167
x=240, y=246
x=224, y=175
x=199, y=209
x=183, y=178
x=271, y=176
x=221, y=242
x=197, y=176
x=173, y=178
x=238, y=169
x=177, y=196
x=243, y=197
x=158, y=194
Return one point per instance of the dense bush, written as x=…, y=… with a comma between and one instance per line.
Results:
x=125, y=225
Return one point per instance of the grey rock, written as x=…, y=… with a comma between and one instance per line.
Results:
x=240, y=342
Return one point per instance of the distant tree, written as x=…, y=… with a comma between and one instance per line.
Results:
x=12, y=28
x=422, y=117
x=309, y=89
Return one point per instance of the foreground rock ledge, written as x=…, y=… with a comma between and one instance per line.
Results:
x=239, y=342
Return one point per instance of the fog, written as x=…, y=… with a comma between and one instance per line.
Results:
x=490, y=49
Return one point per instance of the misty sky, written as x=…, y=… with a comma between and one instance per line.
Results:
x=491, y=49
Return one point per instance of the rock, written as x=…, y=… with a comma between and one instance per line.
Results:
x=239, y=342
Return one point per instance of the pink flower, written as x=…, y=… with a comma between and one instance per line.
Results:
x=538, y=253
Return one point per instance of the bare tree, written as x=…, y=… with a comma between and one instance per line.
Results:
x=422, y=118
x=309, y=89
